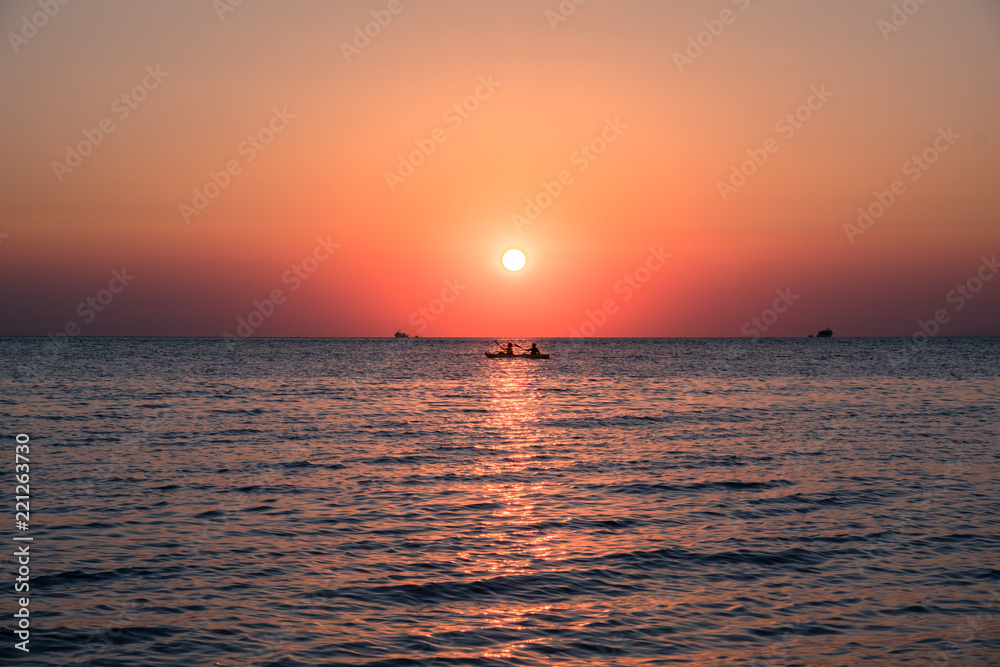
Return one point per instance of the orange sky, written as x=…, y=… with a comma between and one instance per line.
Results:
x=666, y=123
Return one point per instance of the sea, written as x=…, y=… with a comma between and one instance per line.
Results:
x=397, y=503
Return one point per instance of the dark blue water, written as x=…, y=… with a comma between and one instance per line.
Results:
x=410, y=502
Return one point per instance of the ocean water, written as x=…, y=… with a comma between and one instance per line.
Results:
x=410, y=502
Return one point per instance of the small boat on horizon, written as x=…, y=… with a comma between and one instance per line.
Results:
x=401, y=334
x=504, y=355
x=508, y=353
x=825, y=333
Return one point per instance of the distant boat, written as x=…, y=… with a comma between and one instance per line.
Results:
x=400, y=334
x=504, y=355
x=825, y=333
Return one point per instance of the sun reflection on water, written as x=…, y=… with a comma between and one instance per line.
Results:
x=511, y=541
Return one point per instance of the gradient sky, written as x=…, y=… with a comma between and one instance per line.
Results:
x=673, y=130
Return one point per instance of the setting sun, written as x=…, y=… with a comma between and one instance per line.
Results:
x=514, y=260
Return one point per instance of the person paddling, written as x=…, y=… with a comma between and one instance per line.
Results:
x=510, y=350
x=534, y=349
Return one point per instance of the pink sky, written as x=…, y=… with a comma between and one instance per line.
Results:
x=614, y=123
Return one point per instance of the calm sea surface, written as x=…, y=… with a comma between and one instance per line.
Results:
x=410, y=502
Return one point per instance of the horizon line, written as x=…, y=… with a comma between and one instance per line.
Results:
x=418, y=337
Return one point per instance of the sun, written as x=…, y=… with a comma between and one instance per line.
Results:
x=514, y=260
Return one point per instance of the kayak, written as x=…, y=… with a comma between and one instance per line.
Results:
x=502, y=355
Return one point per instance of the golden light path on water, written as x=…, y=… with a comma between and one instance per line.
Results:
x=526, y=535
x=516, y=544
